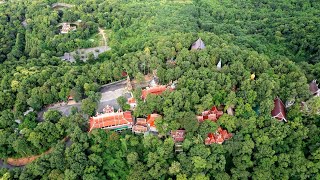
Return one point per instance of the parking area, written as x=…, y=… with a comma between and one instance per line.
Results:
x=109, y=94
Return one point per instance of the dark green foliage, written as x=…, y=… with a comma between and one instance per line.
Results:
x=277, y=41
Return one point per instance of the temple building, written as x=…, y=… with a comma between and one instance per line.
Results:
x=230, y=111
x=313, y=87
x=132, y=102
x=66, y=27
x=151, y=122
x=156, y=90
x=111, y=120
x=219, y=65
x=214, y=114
x=141, y=126
x=198, y=45
x=218, y=137
x=178, y=135
x=279, y=110
x=144, y=125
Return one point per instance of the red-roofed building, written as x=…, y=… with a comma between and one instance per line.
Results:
x=132, y=102
x=70, y=98
x=214, y=114
x=178, y=135
x=111, y=120
x=151, y=121
x=141, y=126
x=279, y=110
x=157, y=90
x=218, y=137
x=124, y=74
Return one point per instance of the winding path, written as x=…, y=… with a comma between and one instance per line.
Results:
x=21, y=162
x=101, y=31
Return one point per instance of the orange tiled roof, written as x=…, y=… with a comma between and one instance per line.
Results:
x=151, y=119
x=214, y=114
x=131, y=100
x=219, y=137
x=70, y=97
x=110, y=119
x=157, y=90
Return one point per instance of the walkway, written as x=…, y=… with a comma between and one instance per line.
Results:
x=61, y=5
x=101, y=32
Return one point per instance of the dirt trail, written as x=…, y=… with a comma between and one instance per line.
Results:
x=26, y=160
x=101, y=31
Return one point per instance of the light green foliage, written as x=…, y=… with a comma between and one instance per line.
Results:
x=277, y=41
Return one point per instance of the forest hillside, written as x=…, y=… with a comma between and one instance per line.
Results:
x=239, y=97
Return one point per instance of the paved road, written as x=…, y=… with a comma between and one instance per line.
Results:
x=109, y=95
x=113, y=86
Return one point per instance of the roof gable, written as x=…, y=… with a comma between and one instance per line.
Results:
x=199, y=44
x=157, y=90
x=313, y=87
x=214, y=114
x=218, y=137
x=151, y=119
x=178, y=135
x=279, y=111
x=110, y=119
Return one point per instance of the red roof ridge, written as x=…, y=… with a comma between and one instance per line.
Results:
x=279, y=111
x=110, y=119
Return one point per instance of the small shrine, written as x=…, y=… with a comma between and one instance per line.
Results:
x=198, y=45
x=144, y=125
x=279, y=110
x=212, y=115
x=218, y=137
x=66, y=28
x=314, y=89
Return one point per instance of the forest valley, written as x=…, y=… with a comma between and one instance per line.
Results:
x=253, y=56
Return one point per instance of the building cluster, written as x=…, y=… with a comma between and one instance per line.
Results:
x=146, y=125
x=153, y=88
x=279, y=110
x=212, y=115
x=119, y=120
x=66, y=27
x=220, y=135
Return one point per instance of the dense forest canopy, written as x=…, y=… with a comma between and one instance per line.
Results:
x=276, y=41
